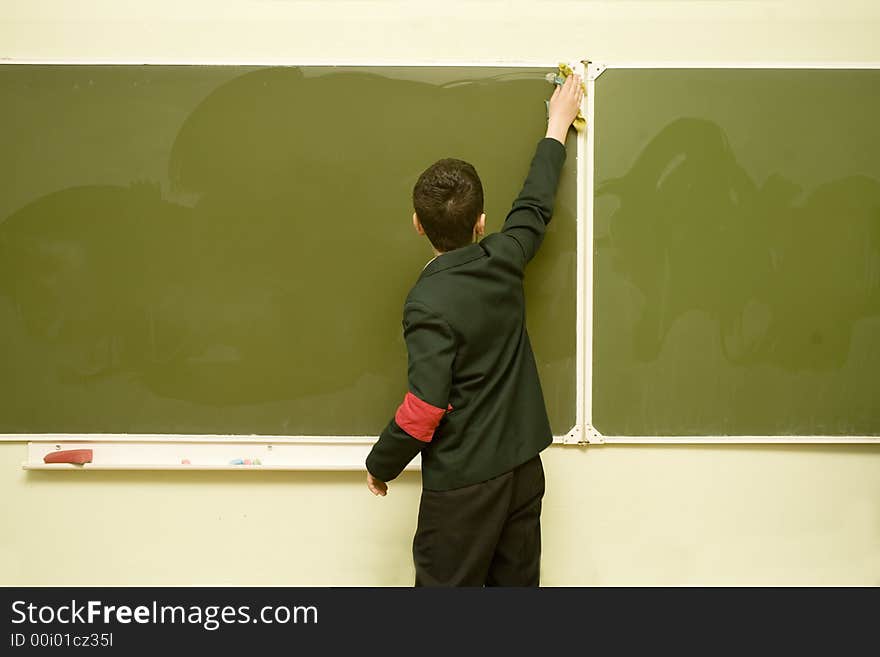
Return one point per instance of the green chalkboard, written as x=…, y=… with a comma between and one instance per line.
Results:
x=189, y=249
x=737, y=252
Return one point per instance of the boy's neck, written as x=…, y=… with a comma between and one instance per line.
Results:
x=440, y=253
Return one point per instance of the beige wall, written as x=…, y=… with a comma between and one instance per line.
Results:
x=613, y=515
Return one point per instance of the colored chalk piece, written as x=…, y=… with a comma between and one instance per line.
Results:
x=78, y=456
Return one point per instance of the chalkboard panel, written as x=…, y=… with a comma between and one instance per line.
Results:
x=737, y=252
x=199, y=250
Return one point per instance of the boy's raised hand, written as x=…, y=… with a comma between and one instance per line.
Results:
x=564, y=105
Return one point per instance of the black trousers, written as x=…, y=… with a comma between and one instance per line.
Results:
x=488, y=534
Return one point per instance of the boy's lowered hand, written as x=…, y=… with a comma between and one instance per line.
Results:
x=376, y=486
x=564, y=105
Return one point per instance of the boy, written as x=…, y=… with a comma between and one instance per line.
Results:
x=475, y=409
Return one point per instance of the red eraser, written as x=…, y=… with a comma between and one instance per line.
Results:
x=69, y=456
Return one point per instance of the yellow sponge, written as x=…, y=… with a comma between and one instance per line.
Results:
x=558, y=78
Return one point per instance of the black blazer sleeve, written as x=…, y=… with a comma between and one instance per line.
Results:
x=430, y=346
x=531, y=211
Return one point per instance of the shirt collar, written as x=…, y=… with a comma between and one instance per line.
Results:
x=453, y=258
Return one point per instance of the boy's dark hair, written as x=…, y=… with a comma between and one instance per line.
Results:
x=448, y=200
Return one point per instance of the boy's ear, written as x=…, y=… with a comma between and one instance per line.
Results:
x=480, y=227
x=417, y=224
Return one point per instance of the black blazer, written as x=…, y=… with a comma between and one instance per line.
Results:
x=474, y=408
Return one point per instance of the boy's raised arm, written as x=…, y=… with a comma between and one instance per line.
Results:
x=528, y=218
